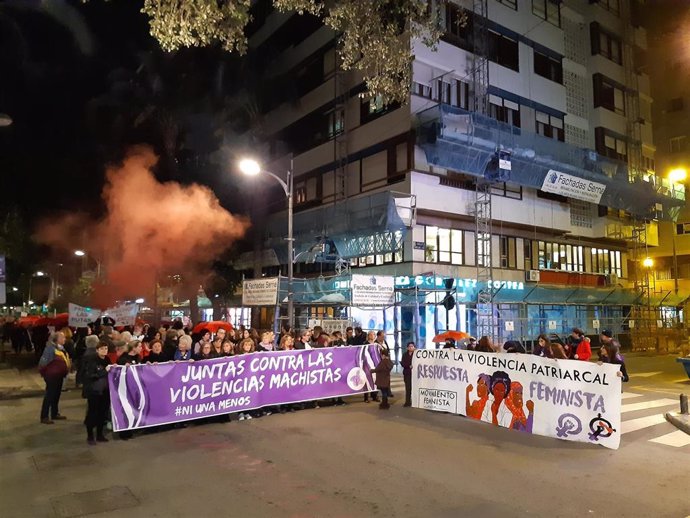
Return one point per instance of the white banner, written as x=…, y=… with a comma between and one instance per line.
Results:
x=372, y=290
x=573, y=187
x=260, y=292
x=124, y=314
x=566, y=399
x=80, y=316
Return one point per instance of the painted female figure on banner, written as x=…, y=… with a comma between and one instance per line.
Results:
x=476, y=408
x=514, y=404
x=497, y=412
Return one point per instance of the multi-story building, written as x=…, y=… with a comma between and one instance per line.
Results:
x=522, y=167
x=668, y=61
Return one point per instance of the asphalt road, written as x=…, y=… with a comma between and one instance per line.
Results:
x=348, y=461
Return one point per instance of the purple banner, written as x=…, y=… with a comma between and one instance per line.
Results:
x=162, y=393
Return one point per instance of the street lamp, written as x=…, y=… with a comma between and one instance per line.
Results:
x=677, y=175
x=139, y=300
x=81, y=253
x=253, y=168
x=648, y=262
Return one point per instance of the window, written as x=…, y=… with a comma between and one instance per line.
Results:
x=336, y=122
x=373, y=108
x=682, y=229
x=421, y=90
x=509, y=3
x=527, y=249
x=507, y=190
x=678, y=144
x=609, y=94
x=549, y=10
x=560, y=256
x=483, y=245
x=459, y=27
x=461, y=92
x=503, y=50
x=504, y=110
x=648, y=163
x=508, y=250
x=610, y=145
x=675, y=105
x=548, y=67
x=606, y=262
x=550, y=126
x=609, y=5
x=443, y=245
x=379, y=243
x=443, y=90
x=605, y=44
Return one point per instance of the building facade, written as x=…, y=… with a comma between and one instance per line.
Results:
x=453, y=185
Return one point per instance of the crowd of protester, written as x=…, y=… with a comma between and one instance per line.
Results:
x=90, y=352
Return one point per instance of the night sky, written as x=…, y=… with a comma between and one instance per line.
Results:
x=84, y=82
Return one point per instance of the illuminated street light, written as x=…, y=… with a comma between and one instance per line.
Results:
x=139, y=300
x=14, y=288
x=648, y=262
x=31, y=303
x=79, y=253
x=40, y=274
x=251, y=167
x=678, y=174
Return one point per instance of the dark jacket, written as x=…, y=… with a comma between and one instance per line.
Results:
x=360, y=339
x=95, y=377
x=300, y=345
x=406, y=362
x=156, y=357
x=129, y=359
x=383, y=373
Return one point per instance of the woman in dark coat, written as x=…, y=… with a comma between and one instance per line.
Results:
x=383, y=378
x=96, y=393
x=406, y=362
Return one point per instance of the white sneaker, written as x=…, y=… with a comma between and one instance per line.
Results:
x=242, y=417
x=247, y=416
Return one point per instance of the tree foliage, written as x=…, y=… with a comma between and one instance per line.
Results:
x=374, y=35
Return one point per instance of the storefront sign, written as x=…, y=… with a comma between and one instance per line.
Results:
x=573, y=187
x=566, y=399
x=260, y=292
x=419, y=245
x=81, y=317
x=372, y=290
x=2, y=269
x=154, y=394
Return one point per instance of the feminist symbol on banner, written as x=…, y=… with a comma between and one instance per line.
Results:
x=356, y=378
x=600, y=427
x=568, y=424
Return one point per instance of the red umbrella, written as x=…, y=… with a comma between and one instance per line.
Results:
x=60, y=320
x=28, y=321
x=455, y=335
x=212, y=326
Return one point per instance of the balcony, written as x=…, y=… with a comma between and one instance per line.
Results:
x=459, y=140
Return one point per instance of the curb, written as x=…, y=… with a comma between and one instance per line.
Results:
x=680, y=421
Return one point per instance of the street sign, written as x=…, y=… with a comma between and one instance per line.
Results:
x=510, y=325
x=552, y=325
x=595, y=324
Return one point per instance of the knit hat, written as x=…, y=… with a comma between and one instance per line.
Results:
x=607, y=333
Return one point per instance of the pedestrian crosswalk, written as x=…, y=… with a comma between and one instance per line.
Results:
x=642, y=418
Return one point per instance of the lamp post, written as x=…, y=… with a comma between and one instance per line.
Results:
x=252, y=168
x=676, y=175
x=81, y=253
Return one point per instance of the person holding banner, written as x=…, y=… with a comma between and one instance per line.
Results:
x=371, y=340
x=383, y=378
x=96, y=393
x=406, y=362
